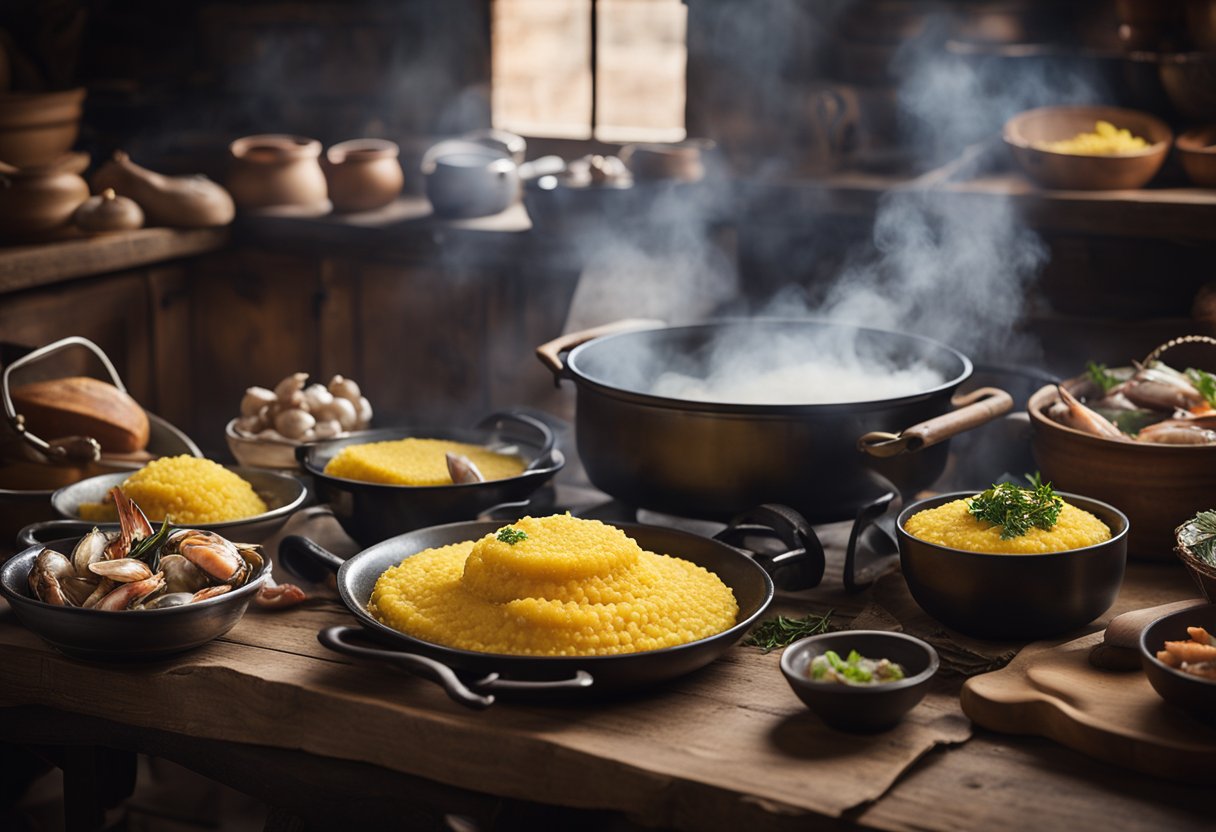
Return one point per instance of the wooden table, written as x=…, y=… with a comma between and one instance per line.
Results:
x=268, y=710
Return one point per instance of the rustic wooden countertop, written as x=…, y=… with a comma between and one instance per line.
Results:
x=728, y=747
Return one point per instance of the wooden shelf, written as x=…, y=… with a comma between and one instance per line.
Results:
x=29, y=266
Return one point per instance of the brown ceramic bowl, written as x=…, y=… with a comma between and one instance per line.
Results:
x=1189, y=81
x=1197, y=152
x=38, y=127
x=1014, y=597
x=1186, y=691
x=278, y=171
x=1203, y=572
x=1069, y=171
x=1155, y=485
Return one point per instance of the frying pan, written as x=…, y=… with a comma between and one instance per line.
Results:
x=799, y=565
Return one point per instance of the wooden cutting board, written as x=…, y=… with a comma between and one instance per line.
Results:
x=1115, y=716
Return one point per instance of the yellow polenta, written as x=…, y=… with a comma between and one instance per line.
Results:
x=186, y=489
x=572, y=587
x=416, y=461
x=953, y=525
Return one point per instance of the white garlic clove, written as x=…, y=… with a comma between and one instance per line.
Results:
x=363, y=414
x=293, y=423
x=289, y=388
x=255, y=399
x=344, y=388
x=316, y=396
x=327, y=429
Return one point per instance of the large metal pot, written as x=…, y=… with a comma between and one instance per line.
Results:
x=711, y=459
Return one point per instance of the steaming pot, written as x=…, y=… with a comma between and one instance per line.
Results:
x=713, y=459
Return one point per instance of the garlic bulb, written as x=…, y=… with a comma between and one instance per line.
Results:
x=294, y=411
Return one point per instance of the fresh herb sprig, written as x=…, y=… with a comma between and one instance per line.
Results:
x=511, y=535
x=148, y=549
x=1200, y=536
x=1017, y=509
x=1204, y=382
x=1101, y=376
x=782, y=631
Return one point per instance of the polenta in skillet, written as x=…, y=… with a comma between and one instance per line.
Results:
x=552, y=586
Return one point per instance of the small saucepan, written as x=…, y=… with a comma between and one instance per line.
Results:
x=475, y=679
x=370, y=512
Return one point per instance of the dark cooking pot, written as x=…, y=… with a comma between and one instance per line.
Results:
x=491, y=674
x=370, y=512
x=712, y=458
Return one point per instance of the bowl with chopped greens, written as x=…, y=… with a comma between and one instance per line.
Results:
x=860, y=680
x=1196, y=547
x=1013, y=562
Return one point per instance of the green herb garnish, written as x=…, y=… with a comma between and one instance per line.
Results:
x=782, y=631
x=1017, y=510
x=1204, y=382
x=1199, y=535
x=1101, y=376
x=148, y=549
x=511, y=535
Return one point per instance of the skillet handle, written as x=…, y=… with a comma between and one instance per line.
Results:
x=307, y=559
x=508, y=424
x=493, y=682
x=37, y=534
x=976, y=408
x=550, y=353
x=336, y=639
x=801, y=565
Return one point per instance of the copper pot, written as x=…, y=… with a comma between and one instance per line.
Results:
x=363, y=174
x=37, y=200
x=274, y=170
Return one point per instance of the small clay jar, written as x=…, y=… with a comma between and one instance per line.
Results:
x=363, y=174
x=41, y=199
x=108, y=212
x=270, y=171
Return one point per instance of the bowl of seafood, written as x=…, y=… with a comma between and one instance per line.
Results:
x=1142, y=438
x=274, y=422
x=1088, y=148
x=860, y=680
x=245, y=504
x=386, y=482
x=1178, y=654
x=138, y=592
x=1013, y=562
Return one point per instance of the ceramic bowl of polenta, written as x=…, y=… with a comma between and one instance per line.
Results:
x=1013, y=563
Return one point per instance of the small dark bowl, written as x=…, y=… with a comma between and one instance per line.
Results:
x=282, y=493
x=370, y=512
x=1015, y=597
x=1190, y=693
x=104, y=635
x=861, y=707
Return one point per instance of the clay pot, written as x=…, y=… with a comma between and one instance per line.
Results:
x=363, y=174
x=38, y=200
x=36, y=128
x=1197, y=153
x=272, y=170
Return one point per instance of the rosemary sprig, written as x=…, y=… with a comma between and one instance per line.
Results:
x=1099, y=374
x=1016, y=509
x=148, y=549
x=1204, y=382
x=782, y=631
x=1199, y=535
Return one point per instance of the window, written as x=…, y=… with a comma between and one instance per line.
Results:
x=548, y=80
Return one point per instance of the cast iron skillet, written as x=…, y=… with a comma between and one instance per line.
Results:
x=799, y=566
x=370, y=512
x=103, y=635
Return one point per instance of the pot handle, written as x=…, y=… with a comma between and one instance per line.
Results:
x=801, y=565
x=307, y=559
x=38, y=534
x=337, y=639
x=974, y=409
x=501, y=423
x=550, y=353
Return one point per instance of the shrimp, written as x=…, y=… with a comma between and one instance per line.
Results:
x=1190, y=651
x=1158, y=388
x=1177, y=432
x=1079, y=417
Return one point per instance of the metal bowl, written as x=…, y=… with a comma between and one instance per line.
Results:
x=861, y=707
x=1183, y=690
x=282, y=493
x=1020, y=597
x=106, y=635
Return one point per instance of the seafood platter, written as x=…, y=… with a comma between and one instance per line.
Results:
x=468, y=570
